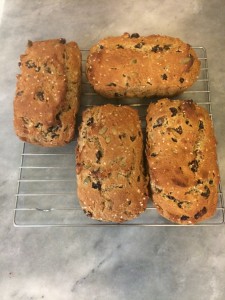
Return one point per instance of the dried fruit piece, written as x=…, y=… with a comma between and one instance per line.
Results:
x=201, y=125
x=159, y=122
x=40, y=96
x=156, y=49
x=90, y=121
x=179, y=130
x=167, y=47
x=97, y=185
x=173, y=111
x=122, y=135
x=193, y=165
x=38, y=125
x=29, y=43
x=153, y=154
x=62, y=41
x=206, y=193
x=164, y=77
x=88, y=213
x=111, y=84
x=134, y=35
x=184, y=218
x=132, y=138
x=201, y=213
x=118, y=95
x=98, y=155
x=30, y=64
x=139, y=45
x=20, y=93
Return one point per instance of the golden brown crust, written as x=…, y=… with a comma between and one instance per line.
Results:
x=134, y=66
x=110, y=179
x=181, y=153
x=47, y=93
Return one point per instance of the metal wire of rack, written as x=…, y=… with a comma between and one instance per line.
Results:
x=46, y=190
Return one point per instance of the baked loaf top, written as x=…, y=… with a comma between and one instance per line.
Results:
x=181, y=153
x=134, y=66
x=47, y=93
x=111, y=185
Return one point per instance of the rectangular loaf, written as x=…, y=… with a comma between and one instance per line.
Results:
x=47, y=92
x=182, y=160
x=137, y=66
x=111, y=185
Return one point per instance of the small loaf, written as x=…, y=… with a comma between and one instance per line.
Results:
x=134, y=66
x=111, y=185
x=47, y=92
x=182, y=160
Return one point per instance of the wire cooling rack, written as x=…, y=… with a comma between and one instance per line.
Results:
x=46, y=192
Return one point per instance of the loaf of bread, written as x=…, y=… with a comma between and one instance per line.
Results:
x=111, y=185
x=134, y=66
x=182, y=160
x=47, y=93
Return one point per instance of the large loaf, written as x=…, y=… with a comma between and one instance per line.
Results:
x=135, y=66
x=47, y=93
x=181, y=154
x=111, y=185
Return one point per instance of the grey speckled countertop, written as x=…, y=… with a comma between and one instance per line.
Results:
x=107, y=263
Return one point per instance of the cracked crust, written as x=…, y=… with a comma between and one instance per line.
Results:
x=134, y=66
x=47, y=92
x=181, y=154
x=111, y=185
